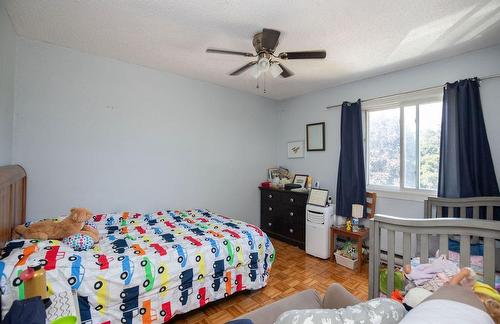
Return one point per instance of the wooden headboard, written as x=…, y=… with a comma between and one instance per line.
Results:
x=12, y=200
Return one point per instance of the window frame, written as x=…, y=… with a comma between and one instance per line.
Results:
x=412, y=99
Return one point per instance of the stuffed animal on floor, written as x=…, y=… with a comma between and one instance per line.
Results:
x=59, y=230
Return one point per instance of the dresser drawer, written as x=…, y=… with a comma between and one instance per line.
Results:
x=293, y=215
x=270, y=197
x=270, y=224
x=293, y=231
x=295, y=200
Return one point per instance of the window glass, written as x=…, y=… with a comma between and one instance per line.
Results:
x=410, y=145
x=429, y=137
x=384, y=147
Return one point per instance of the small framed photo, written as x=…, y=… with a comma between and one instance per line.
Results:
x=318, y=197
x=296, y=150
x=273, y=173
x=315, y=135
x=300, y=179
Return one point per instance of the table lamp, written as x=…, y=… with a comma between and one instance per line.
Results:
x=357, y=213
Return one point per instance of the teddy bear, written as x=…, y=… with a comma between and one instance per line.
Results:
x=73, y=224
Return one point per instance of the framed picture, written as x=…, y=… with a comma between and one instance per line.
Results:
x=300, y=179
x=315, y=135
x=273, y=173
x=296, y=150
x=318, y=197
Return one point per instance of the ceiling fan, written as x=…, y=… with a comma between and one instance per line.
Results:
x=265, y=44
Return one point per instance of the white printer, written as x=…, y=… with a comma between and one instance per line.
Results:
x=318, y=222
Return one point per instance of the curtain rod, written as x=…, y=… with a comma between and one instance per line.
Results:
x=493, y=76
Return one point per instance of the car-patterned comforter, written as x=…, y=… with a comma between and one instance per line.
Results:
x=147, y=267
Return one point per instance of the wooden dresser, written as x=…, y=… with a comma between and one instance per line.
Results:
x=283, y=214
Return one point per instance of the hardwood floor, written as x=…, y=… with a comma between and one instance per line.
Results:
x=293, y=271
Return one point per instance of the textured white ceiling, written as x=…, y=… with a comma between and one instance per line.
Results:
x=362, y=38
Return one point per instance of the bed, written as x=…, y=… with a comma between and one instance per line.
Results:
x=147, y=268
x=424, y=230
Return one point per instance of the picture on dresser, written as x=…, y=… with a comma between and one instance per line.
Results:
x=300, y=179
x=296, y=149
x=273, y=173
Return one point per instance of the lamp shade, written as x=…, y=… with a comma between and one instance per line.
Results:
x=357, y=211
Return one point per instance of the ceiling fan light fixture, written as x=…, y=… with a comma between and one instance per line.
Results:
x=255, y=71
x=263, y=64
x=275, y=70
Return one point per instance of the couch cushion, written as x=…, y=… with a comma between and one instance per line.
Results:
x=379, y=310
x=307, y=299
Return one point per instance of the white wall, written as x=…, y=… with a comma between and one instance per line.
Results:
x=299, y=111
x=7, y=70
x=111, y=136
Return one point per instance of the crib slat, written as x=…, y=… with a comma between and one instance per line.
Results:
x=463, y=212
x=475, y=212
x=489, y=213
x=406, y=248
x=374, y=262
x=489, y=261
x=391, y=242
x=443, y=244
x=424, y=248
x=464, y=251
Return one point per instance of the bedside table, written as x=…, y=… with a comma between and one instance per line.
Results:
x=359, y=236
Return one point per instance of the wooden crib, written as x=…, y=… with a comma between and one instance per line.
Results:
x=423, y=229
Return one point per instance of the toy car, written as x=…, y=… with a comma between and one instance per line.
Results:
x=159, y=249
x=166, y=312
x=77, y=271
x=186, y=286
x=101, y=285
x=149, y=274
x=215, y=247
x=232, y=233
x=127, y=268
x=218, y=274
x=253, y=265
x=193, y=240
x=130, y=303
x=230, y=251
x=7, y=250
x=182, y=259
x=27, y=251
x=51, y=257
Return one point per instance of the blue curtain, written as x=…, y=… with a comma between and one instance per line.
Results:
x=465, y=167
x=351, y=185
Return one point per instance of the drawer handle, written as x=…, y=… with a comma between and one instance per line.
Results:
x=292, y=200
x=270, y=208
x=270, y=196
x=270, y=224
x=291, y=230
x=291, y=213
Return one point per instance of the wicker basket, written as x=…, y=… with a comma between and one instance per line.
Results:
x=346, y=262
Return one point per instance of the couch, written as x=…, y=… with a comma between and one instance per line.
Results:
x=335, y=297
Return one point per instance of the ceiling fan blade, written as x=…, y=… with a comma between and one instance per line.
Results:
x=243, y=68
x=270, y=39
x=286, y=72
x=303, y=55
x=220, y=51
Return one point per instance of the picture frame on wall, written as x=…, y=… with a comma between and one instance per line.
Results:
x=300, y=179
x=296, y=150
x=315, y=136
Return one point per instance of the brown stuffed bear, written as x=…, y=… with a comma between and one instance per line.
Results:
x=52, y=230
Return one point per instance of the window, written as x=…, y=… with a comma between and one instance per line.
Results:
x=402, y=144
